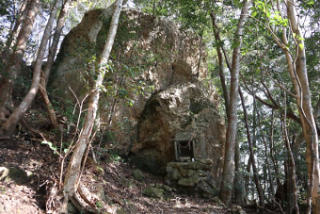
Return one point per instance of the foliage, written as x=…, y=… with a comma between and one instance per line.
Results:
x=8, y=8
x=54, y=148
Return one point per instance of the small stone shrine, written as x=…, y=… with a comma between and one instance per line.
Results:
x=184, y=147
x=189, y=173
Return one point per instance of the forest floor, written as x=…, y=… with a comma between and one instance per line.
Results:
x=34, y=168
x=26, y=192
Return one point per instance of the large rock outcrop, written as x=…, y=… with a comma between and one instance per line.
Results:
x=153, y=90
x=149, y=54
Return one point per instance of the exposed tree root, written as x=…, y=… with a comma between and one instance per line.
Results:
x=53, y=199
x=81, y=200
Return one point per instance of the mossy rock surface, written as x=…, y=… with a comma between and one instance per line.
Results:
x=14, y=174
x=188, y=182
x=197, y=165
x=138, y=174
x=153, y=192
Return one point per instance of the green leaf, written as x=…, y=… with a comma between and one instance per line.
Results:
x=310, y=2
x=51, y=146
x=254, y=14
x=268, y=14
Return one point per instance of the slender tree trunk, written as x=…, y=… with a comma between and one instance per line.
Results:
x=14, y=118
x=254, y=167
x=287, y=197
x=48, y=104
x=299, y=77
x=73, y=171
x=291, y=165
x=15, y=31
x=52, y=53
x=238, y=181
x=269, y=174
x=228, y=167
x=267, y=156
x=273, y=159
x=56, y=37
x=292, y=175
x=247, y=178
x=13, y=66
x=220, y=62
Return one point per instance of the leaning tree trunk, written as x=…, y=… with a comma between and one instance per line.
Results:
x=73, y=171
x=228, y=167
x=47, y=68
x=13, y=65
x=14, y=118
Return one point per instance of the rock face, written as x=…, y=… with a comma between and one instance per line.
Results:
x=149, y=55
x=153, y=91
x=192, y=176
x=181, y=109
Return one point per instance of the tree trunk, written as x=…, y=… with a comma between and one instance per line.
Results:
x=73, y=171
x=14, y=118
x=254, y=167
x=269, y=174
x=228, y=167
x=247, y=178
x=267, y=156
x=46, y=71
x=273, y=159
x=238, y=181
x=48, y=104
x=13, y=65
x=292, y=175
x=293, y=193
x=225, y=92
x=15, y=31
x=56, y=37
x=299, y=77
